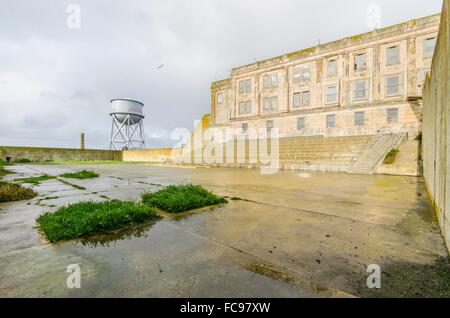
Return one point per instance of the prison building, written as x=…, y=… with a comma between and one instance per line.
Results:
x=364, y=85
x=353, y=86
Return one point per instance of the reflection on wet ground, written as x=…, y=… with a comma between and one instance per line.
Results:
x=285, y=235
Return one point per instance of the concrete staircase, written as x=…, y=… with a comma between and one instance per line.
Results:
x=385, y=141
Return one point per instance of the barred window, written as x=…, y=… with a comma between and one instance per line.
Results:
x=245, y=86
x=331, y=121
x=360, y=62
x=306, y=99
x=266, y=104
x=392, y=116
x=428, y=47
x=361, y=91
x=219, y=98
x=331, y=95
x=269, y=125
x=248, y=107
x=270, y=81
x=393, y=55
x=266, y=81
x=332, y=68
x=274, y=80
x=301, y=123
x=296, y=100
x=241, y=108
x=301, y=74
x=274, y=102
x=393, y=85
x=359, y=119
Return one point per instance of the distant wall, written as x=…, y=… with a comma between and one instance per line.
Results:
x=58, y=154
x=436, y=123
x=163, y=155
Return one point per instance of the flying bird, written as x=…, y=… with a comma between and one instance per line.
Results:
x=161, y=66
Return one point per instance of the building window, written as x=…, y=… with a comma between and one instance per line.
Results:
x=266, y=104
x=301, y=74
x=331, y=95
x=361, y=91
x=270, y=103
x=360, y=62
x=306, y=99
x=245, y=86
x=297, y=100
x=332, y=68
x=219, y=98
x=359, y=119
x=269, y=125
x=393, y=85
x=428, y=47
x=392, y=116
x=248, y=107
x=270, y=81
x=245, y=108
x=241, y=108
x=331, y=121
x=393, y=55
x=245, y=127
x=301, y=99
x=274, y=103
x=301, y=123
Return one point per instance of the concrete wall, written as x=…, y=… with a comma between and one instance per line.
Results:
x=164, y=155
x=436, y=123
x=58, y=154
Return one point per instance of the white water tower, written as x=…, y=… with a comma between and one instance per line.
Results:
x=127, y=130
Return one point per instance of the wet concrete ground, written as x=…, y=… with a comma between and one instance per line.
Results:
x=292, y=235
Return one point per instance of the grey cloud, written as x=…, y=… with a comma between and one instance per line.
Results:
x=56, y=82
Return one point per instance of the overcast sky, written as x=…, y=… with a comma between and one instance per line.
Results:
x=56, y=79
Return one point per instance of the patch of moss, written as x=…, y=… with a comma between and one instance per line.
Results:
x=391, y=156
x=82, y=175
x=181, y=198
x=35, y=180
x=89, y=218
x=10, y=192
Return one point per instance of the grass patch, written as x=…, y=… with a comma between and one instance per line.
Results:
x=3, y=172
x=177, y=199
x=22, y=160
x=10, y=192
x=391, y=156
x=35, y=180
x=88, y=218
x=85, y=174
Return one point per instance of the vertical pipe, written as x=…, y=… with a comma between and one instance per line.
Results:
x=82, y=141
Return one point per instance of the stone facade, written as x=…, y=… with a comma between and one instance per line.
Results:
x=354, y=86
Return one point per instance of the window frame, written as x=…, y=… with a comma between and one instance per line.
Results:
x=366, y=90
x=360, y=121
x=389, y=57
x=425, y=41
x=328, y=122
x=303, y=121
x=399, y=86
x=219, y=99
x=327, y=102
x=335, y=72
x=269, y=127
x=389, y=118
x=356, y=66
